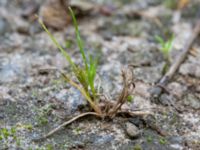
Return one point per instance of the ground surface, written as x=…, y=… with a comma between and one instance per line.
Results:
x=34, y=101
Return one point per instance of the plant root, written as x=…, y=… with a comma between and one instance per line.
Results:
x=65, y=124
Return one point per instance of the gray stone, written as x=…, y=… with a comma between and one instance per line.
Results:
x=177, y=89
x=103, y=139
x=4, y=26
x=190, y=69
x=192, y=101
x=72, y=99
x=148, y=74
x=132, y=130
x=165, y=99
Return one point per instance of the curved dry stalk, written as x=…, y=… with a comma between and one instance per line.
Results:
x=65, y=124
x=126, y=91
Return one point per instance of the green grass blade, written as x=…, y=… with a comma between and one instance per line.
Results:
x=58, y=45
x=92, y=74
x=78, y=38
x=81, y=75
x=160, y=40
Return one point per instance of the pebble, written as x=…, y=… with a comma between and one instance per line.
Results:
x=192, y=101
x=52, y=17
x=190, y=69
x=5, y=96
x=99, y=140
x=4, y=26
x=177, y=89
x=166, y=99
x=72, y=99
x=132, y=130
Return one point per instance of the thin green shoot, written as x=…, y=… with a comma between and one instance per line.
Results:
x=78, y=38
x=130, y=98
x=87, y=77
x=166, y=46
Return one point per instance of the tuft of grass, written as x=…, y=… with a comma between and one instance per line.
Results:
x=84, y=74
x=166, y=46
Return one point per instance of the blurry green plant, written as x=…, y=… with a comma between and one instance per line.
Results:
x=137, y=147
x=171, y=4
x=8, y=137
x=162, y=141
x=166, y=46
x=84, y=74
x=130, y=98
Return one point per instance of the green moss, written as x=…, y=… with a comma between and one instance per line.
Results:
x=172, y=4
x=149, y=139
x=49, y=147
x=130, y=98
x=8, y=136
x=137, y=147
x=42, y=114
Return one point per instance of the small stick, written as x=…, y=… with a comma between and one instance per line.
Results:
x=135, y=113
x=158, y=89
x=65, y=124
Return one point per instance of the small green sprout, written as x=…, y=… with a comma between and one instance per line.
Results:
x=162, y=141
x=5, y=133
x=13, y=131
x=84, y=74
x=149, y=139
x=130, y=98
x=166, y=46
x=77, y=131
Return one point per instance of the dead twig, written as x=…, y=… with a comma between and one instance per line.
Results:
x=158, y=89
x=134, y=113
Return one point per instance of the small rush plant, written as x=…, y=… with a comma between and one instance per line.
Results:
x=101, y=106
